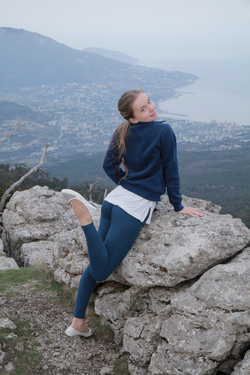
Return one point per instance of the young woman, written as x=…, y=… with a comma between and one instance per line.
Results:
x=147, y=149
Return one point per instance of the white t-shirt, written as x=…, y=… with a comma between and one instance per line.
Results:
x=132, y=203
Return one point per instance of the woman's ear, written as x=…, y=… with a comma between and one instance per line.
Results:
x=133, y=121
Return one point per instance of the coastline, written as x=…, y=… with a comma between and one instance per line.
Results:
x=221, y=93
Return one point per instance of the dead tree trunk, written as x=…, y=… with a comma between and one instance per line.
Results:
x=17, y=183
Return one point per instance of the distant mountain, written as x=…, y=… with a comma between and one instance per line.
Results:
x=31, y=59
x=9, y=110
x=116, y=55
x=12, y=111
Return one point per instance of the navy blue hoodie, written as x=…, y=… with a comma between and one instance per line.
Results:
x=151, y=158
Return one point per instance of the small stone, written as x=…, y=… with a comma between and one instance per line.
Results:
x=19, y=346
x=78, y=339
x=89, y=356
x=56, y=354
x=2, y=354
x=11, y=335
x=9, y=367
x=105, y=371
x=7, y=323
x=45, y=367
x=39, y=348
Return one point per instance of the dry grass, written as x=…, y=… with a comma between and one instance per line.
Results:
x=42, y=265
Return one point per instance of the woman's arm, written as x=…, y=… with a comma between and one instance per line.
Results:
x=171, y=174
x=170, y=166
x=110, y=163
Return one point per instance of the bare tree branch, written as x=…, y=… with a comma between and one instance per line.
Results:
x=91, y=187
x=16, y=129
x=12, y=187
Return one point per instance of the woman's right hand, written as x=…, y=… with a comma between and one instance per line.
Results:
x=191, y=211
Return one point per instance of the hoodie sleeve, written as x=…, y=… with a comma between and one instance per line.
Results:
x=110, y=163
x=170, y=168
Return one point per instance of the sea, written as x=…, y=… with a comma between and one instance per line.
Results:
x=222, y=92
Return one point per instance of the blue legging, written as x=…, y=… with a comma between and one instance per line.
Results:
x=107, y=248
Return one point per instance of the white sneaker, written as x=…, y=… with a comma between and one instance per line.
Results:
x=71, y=194
x=71, y=332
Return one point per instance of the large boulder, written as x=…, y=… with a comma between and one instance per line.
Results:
x=34, y=223
x=176, y=248
x=34, y=215
x=204, y=329
x=7, y=264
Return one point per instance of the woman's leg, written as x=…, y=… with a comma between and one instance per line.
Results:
x=118, y=230
x=105, y=256
x=87, y=282
x=122, y=233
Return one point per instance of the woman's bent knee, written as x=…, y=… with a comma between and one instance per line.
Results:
x=100, y=279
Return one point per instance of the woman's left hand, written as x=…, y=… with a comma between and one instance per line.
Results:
x=191, y=211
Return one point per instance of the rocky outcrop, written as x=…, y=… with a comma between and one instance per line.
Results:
x=204, y=328
x=36, y=223
x=178, y=303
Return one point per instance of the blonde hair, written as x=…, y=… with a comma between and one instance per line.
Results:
x=125, y=107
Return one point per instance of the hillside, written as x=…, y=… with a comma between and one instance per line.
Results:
x=11, y=111
x=116, y=55
x=31, y=59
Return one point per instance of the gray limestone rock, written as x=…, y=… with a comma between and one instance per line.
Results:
x=7, y=323
x=127, y=302
x=207, y=326
x=9, y=367
x=35, y=214
x=243, y=367
x=176, y=248
x=2, y=355
x=168, y=363
x=19, y=346
x=1, y=247
x=8, y=264
x=35, y=253
x=106, y=371
x=141, y=337
x=226, y=285
x=61, y=276
x=42, y=224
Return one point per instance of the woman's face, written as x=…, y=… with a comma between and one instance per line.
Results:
x=144, y=109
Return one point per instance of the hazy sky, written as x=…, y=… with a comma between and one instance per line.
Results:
x=146, y=29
